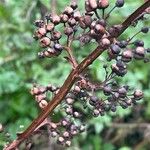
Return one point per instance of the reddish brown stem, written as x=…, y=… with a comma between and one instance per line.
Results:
x=71, y=79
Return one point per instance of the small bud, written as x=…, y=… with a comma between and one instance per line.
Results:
x=58, y=47
x=77, y=15
x=68, y=10
x=69, y=110
x=43, y=104
x=103, y=4
x=40, y=32
x=56, y=35
x=68, y=143
x=99, y=29
x=72, y=22
x=66, y=134
x=40, y=97
x=61, y=139
x=138, y=94
x=105, y=42
x=127, y=55
x=122, y=92
x=69, y=101
x=139, y=43
x=54, y=134
x=76, y=114
x=87, y=20
x=55, y=19
x=107, y=90
x=44, y=42
x=77, y=89
x=64, y=18
x=93, y=4
x=96, y=112
x=50, y=27
x=53, y=125
x=139, y=52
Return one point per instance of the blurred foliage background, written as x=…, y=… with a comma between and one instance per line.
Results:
x=20, y=67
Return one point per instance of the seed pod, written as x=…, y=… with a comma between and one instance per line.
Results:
x=74, y=5
x=138, y=94
x=53, y=125
x=77, y=89
x=66, y=134
x=58, y=47
x=55, y=19
x=77, y=15
x=56, y=35
x=123, y=104
x=69, y=110
x=139, y=53
x=68, y=10
x=39, y=23
x=96, y=112
x=40, y=32
x=107, y=90
x=99, y=29
x=92, y=4
x=50, y=27
x=87, y=20
x=72, y=22
x=43, y=104
x=40, y=97
x=54, y=134
x=69, y=101
x=87, y=6
x=68, y=143
x=127, y=56
x=76, y=114
x=64, y=18
x=61, y=140
x=119, y=3
x=44, y=42
x=102, y=4
x=105, y=42
x=122, y=92
x=93, y=24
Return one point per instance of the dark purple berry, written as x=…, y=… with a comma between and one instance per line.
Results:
x=145, y=29
x=139, y=43
x=115, y=49
x=119, y=3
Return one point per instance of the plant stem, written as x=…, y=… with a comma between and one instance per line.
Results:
x=71, y=80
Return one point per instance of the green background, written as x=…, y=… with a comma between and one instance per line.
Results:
x=20, y=67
